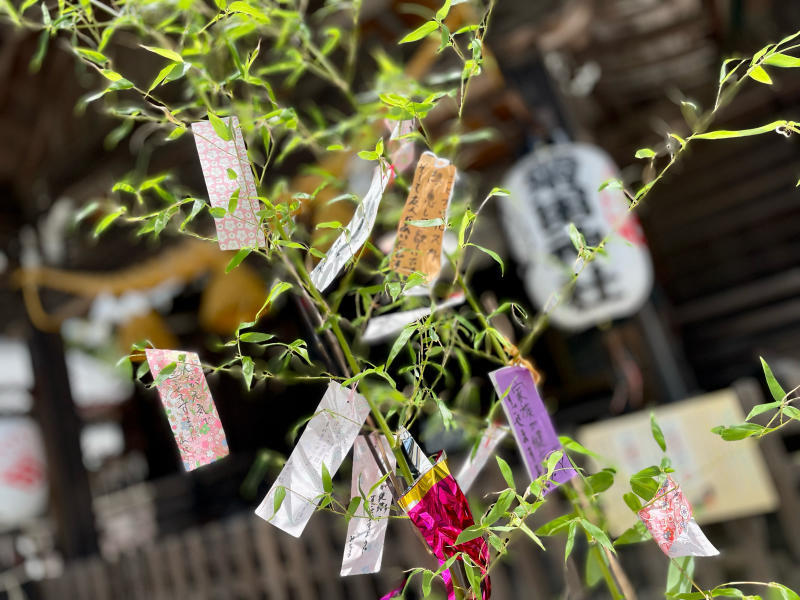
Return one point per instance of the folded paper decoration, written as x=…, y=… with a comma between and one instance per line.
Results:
x=386, y=326
x=226, y=170
x=418, y=247
x=536, y=437
x=439, y=509
x=326, y=440
x=476, y=460
x=357, y=232
x=189, y=406
x=669, y=519
x=363, y=550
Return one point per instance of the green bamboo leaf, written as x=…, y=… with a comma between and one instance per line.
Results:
x=255, y=337
x=221, y=128
x=427, y=579
x=760, y=74
x=573, y=529
x=420, y=32
x=92, y=55
x=600, y=482
x=633, y=502
x=470, y=533
x=162, y=74
x=108, y=220
x=781, y=60
x=499, y=508
x=679, y=575
x=791, y=412
x=784, y=592
x=493, y=254
x=774, y=387
x=644, y=153
x=557, y=525
x=576, y=237
x=165, y=52
x=327, y=483
x=247, y=370
x=723, y=134
x=593, y=572
x=598, y=534
x=732, y=433
x=280, y=494
x=237, y=259
x=247, y=9
x=506, y=471
x=164, y=373
x=401, y=342
x=634, y=535
x=762, y=408
x=658, y=435
x=441, y=14
x=426, y=222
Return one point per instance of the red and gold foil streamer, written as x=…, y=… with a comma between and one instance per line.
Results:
x=439, y=509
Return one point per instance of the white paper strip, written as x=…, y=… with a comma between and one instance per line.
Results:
x=220, y=159
x=326, y=440
x=385, y=326
x=363, y=550
x=692, y=542
x=358, y=230
x=401, y=152
x=474, y=464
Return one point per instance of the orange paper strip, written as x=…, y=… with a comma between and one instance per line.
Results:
x=418, y=247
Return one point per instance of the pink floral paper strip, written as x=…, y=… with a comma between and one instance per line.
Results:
x=363, y=550
x=669, y=519
x=190, y=408
x=220, y=160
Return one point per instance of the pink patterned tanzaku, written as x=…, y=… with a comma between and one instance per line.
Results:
x=239, y=229
x=669, y=519
x=190, y=408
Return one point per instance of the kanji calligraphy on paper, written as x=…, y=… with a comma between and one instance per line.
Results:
x=532, y=427
x=557, y=186
x=418, y=247
x=363, y=549
x=326, y=440
x=189, y=406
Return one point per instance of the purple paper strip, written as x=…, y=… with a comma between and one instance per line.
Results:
x=536, y=437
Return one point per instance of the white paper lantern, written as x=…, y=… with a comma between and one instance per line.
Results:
x=550, y=189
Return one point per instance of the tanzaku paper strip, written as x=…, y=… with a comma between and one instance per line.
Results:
x=383, y=327
x=326, y=440
x=358, y=230
x=669, y=519
x=418, y=247
x=189, y=407
x=226, y=170
x=363, y=550
x=536, y=437
x=473, y=465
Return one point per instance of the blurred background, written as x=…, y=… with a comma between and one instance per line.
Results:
x=93, y=500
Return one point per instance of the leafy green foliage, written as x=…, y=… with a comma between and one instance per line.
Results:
x=253, y=60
